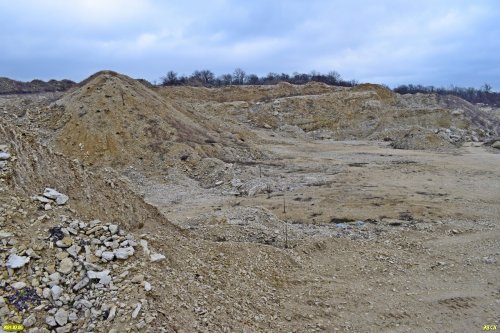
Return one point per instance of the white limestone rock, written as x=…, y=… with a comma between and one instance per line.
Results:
x=66, y=266
x=4, y=156
x=15, y=261
x=61, y=317
x=18, y=285
x=156, y=257
x=56, y=292
x=123, y=252
x=60, y=198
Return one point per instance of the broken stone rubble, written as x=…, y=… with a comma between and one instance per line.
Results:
x=50, y=195
x=73, y=287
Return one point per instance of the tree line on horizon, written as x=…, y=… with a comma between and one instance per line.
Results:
x=483, y=95
x=206, y=78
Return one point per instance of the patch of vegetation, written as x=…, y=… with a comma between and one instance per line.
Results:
x=207, y=78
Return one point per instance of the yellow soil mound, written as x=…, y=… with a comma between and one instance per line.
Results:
x=113, y=119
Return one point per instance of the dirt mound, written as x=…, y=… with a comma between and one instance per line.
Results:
x=487, y=122
x=382, y=92
x=113, y=119
x=421, y=139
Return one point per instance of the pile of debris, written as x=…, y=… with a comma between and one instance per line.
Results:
x=74, y=278
x=457, y=135
x=418, y=138
x=51, y=196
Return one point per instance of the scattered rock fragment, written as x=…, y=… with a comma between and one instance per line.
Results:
x=144, y=244
x=112, y=313
x=107, y=255
x=81, y=284
x=65, y=242
x=66, y=266
x=74, y=250
x=136, y=311
x=4, y=234
x=16, y=261
x=113, y=229
x=61, y=317
x=18, y=285
x=51, y=321
x=139, y=278
x=156, y=257
x=103, y=277
x=124, y=252
x=4, y=156
x=56, y=292
x=30, y=321
x=41, y=199
x=60, y=198
x=72, y=317
x=65, y=329
x=97, y=275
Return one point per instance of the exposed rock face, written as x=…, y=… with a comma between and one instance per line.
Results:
x=322, y=112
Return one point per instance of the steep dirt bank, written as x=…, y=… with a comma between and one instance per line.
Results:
x=102, y=195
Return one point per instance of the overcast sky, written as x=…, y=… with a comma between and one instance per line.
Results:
x=392, y=42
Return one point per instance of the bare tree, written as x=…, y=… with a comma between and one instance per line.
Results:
x=226, y=79
x=239, y=76
x=486, y=88
x=170, y=79
x=203, y=77
x=333, y=77
x=253, y=79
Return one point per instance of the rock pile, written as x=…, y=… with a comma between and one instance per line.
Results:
x=51, y=196
x=418, y=138
x=493, y=142
x=74, y=279
x=457, y=135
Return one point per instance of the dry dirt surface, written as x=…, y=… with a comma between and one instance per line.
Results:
x=247, y=209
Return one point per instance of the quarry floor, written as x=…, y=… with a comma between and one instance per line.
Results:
x=382, y=240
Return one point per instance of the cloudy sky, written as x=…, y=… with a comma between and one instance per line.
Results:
x=385, y=41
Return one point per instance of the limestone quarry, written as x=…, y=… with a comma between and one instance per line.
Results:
x=126, y=207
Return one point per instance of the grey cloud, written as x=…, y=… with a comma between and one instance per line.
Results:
x=390, y=42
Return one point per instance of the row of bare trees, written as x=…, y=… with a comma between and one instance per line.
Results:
x=207, y=78
x=484, y=95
